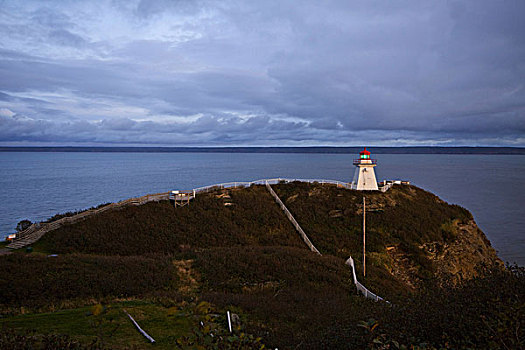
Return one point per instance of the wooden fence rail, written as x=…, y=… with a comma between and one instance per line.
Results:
x=37, y=230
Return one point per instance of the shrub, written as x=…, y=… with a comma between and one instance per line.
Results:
x=36, y=280
x=23, y=225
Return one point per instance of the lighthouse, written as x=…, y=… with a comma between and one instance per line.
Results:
x=366, y=177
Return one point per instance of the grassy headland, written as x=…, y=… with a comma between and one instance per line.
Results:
x=235, y=250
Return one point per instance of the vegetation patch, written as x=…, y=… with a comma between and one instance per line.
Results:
x=107, y=326
x=292, y=292
x=484, y=313
x=187, y=278
x=161, y=228
x=405, y=217
x=35, y=281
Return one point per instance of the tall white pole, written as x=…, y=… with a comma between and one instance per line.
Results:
x=364, y=237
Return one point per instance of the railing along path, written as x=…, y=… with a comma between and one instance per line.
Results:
x=37, y=230
x=269, y=181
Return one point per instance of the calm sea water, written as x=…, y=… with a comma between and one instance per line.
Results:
x=38, y=185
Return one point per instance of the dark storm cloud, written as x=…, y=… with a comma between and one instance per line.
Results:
x=14, y=127
x=262, y=73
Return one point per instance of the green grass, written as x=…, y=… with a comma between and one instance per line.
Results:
x=112, y=327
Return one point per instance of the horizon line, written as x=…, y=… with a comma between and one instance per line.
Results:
x=510, y=150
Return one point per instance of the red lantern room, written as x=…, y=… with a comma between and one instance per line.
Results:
x=364, y=158
x=364, y=154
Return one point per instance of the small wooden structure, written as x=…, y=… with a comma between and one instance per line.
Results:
x=181, y=199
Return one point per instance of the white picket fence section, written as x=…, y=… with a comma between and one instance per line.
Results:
x=269, y=181
x=359, y=286
x=292, y=220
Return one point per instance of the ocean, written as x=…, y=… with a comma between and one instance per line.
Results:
x=37, y=185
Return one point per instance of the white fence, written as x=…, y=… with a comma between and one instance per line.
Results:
x=292, y=219
x=146, y=335
x=347, y=185
x=359, y=286
x=269, y=181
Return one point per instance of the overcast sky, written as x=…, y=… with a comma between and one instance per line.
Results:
x=276, y=73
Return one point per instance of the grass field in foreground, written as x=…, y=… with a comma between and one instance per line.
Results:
x=110, y=325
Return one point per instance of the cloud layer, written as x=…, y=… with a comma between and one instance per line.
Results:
x=262, y=73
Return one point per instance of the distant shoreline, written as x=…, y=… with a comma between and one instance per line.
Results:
x=319, y=149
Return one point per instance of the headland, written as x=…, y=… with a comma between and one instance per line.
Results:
x=232, y=250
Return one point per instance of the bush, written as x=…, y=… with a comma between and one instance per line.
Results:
x=36, y=280
x=486, y=312
x=23, y=225
x=10, y=339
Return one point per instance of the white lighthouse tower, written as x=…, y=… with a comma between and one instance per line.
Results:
x=366, y=177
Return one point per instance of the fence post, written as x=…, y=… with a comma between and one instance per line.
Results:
x=350, y=262
x=229, y=321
